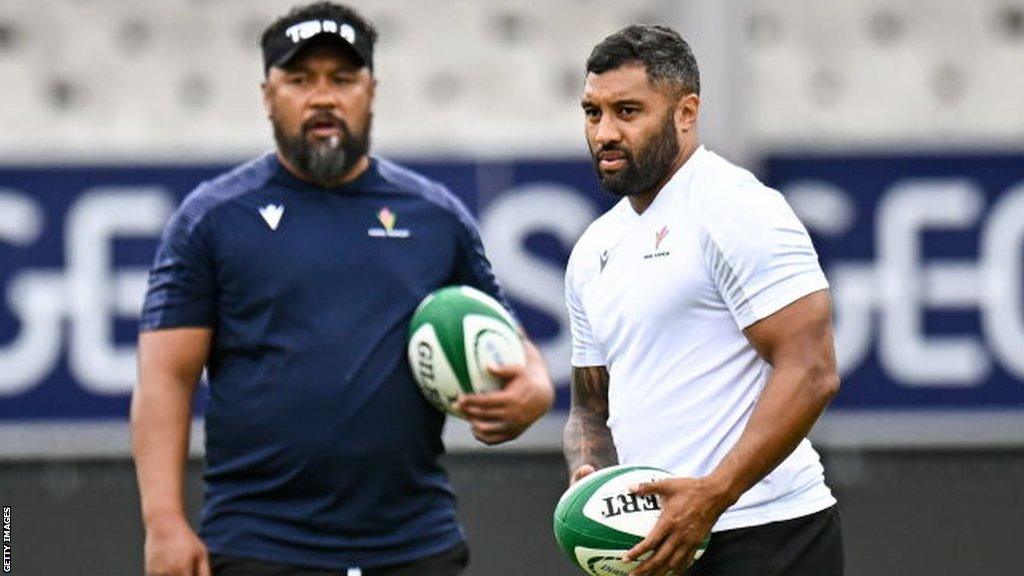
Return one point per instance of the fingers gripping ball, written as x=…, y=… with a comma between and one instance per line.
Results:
x=597, y=519
x=454, y=334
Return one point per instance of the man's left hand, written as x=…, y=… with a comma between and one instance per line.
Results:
x=504, y=414
x=689, y=508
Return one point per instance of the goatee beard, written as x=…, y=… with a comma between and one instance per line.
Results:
x=644, y=170
x=324, y=163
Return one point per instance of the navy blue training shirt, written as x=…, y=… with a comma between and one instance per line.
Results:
x=320, y=449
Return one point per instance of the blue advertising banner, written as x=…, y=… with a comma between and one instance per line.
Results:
x=925, y=255
x=76, y=243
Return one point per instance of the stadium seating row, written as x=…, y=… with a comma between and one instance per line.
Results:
x=463, y=76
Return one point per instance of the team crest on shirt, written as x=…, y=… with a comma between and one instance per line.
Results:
x=387, y=220
x=658, y=237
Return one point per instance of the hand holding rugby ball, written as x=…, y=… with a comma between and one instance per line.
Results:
x=455, y=333
x=598, y=519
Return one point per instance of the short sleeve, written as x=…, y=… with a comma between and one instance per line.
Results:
x=585, y=351
x=472, y=267
x=758, y=253
x=181, y=290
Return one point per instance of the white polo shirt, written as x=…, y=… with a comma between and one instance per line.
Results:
x=661, y=300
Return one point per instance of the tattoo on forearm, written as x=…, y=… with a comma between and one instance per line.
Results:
x=587, y=439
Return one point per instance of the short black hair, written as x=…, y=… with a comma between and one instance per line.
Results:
x=315, y=10
x=662, y=51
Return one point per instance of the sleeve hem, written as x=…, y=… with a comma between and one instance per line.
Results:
x=166, y=324
x=587, y=359
x=796, y=288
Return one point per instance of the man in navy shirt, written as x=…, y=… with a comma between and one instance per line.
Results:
x=292, y=280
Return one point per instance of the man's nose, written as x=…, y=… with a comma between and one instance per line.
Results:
x=322, y=95
x=607, y=132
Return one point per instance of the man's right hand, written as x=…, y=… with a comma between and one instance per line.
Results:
x=174, y=549
x=170, y=364
x=581, y=473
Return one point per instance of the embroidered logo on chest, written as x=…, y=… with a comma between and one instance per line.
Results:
x=658, y=252
x=387, y=220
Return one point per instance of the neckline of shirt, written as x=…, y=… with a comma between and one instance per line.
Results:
x=670, y=187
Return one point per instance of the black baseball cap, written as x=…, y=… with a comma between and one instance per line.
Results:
x=317, y=22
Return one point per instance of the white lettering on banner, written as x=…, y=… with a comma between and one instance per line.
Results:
x=1001, y=279
x=879, y=303
x=898, y=287
x=89, y=295
x=26, y=359
x=92, y=225
x=22, y=220
x=822, y=206
x=505, y=226
x=905, y=212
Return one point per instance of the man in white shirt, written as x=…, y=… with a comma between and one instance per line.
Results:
x=702, y=336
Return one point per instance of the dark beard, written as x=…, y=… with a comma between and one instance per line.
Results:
x=648, y=168
x=321, y=163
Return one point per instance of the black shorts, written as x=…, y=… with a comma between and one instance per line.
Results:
x=448, y=563
x=806, y=546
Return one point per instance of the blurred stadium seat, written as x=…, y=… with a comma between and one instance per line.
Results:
x=181, y=76
x=161, y=76
x=925, y=72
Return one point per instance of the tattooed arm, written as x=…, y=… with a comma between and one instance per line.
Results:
x=587, y=440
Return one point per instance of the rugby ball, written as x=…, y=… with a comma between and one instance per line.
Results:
x=597, y=519
x=454, y=334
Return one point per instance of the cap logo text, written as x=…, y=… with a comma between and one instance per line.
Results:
x=310, y=28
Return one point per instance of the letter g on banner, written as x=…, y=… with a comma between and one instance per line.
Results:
x=89, y=294
x=33, y=297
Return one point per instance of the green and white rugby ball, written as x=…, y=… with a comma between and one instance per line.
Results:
x=597, y=519
x=454, y=334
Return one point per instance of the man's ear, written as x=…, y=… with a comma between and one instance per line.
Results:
x=373, y=92
x=268, y=107
x=686, y=113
